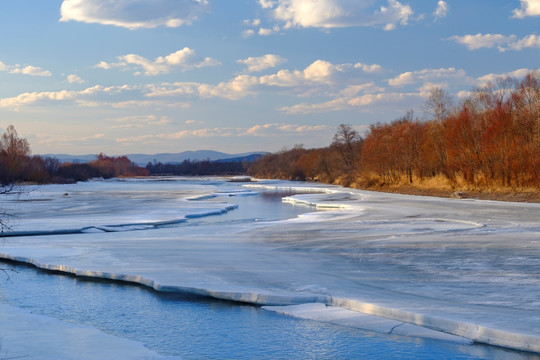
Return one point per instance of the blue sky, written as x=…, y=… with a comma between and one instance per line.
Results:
x=150, y=76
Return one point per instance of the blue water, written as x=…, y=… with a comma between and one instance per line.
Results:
x=202, y=328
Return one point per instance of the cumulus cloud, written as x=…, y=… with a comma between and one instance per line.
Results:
x=254, y=22
x=319, y=73
x=338, y=13
x=343, y=85
x=364, y=101
x=86, y=97
x=502, y=42
x=373, y=68
x=393, y=14
x=528, y=8
x=74, y=79
x=185, y=59
x=441, y=11
x=267, y=4
x=426, y=75
x=133, y=14
x=530, y=41
x=491, y=78
x=30, y=70
x=234, y=89
x=265, y=31
x=478, y=41
x=24, y=70
x=254, y=64
x=262, y=31
x=345, y=99
x=319, y=77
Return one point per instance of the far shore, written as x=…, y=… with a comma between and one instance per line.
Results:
x=520, y=195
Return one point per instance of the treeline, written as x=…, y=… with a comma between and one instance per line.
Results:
x=17, y=165
x=490, y=139
x=198, y=168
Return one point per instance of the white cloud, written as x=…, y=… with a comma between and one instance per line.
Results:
x=518, y=74
x=265, y=32
x=277, y=129
x=133, y=14
x=74, y=79
x=441, y=11
x=346, y=99
x=86, y=97
x=428, y=86
x=24, y=70
x=191, y=121
x=365, y=101
x=185, y=59
x=255, y=64
x=342, y=87
x=502, y=42
x=478, y=41
x=320, y=71
x=185, y=89
x=528, y=8
x=395, y=13
x=426, y=75
x=530, y=41
x=373, y=68
x=338, y=13
x=30, y=70
x=240, y=86
x=267, y=4
x=140, y=121
x=262, y=130
x=254, y=22
x=315, y=78
x=248, y=33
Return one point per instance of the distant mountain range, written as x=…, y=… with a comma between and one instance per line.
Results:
x=143, y=159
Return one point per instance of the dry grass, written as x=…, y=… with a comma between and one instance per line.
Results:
x=441, y=186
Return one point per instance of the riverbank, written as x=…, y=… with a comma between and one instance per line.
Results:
x=442, y=187
x=528, y=196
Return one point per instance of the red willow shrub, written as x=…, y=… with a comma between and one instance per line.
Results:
x=490, y=139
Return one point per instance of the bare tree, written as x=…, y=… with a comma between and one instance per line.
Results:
x=7, y=191
x=346, y=141
x=438, y=105
x=14, y=154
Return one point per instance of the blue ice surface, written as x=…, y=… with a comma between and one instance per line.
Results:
x=193, y=328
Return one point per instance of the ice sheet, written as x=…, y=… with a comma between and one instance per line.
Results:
x=112, y=206
x=340, y=316
x=464, y=267
x=25, y=335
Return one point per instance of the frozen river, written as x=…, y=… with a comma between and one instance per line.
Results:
x=463, y=267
